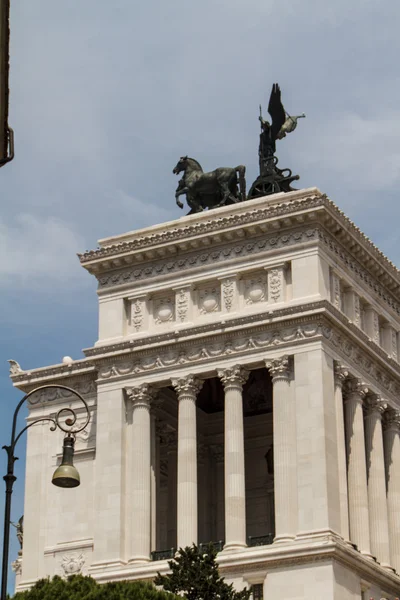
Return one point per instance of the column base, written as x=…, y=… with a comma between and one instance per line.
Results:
x=234, y=547
x=139, y=560
x=284, y=538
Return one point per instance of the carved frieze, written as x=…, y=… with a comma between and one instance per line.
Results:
x=216, y=349
x=226, y=253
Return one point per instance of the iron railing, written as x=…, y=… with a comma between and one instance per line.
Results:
x=163, y=554
x=252, y=540
x=260, y=540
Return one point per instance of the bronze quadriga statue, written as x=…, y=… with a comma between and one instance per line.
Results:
x=225, y=185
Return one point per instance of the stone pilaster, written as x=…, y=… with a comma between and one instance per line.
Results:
x=391, y=440
x=378, y=516
x=341, y=375
x=284, y=425
x=187, y=389
x=355, y=392
x=141, y=480
x=233, y=380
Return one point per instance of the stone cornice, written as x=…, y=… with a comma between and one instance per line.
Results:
x=328, y=549
x=255, y=217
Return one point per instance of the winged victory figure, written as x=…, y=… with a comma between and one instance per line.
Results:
x=272, y=179
x=282, y=123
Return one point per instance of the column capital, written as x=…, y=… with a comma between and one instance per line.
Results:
x=279, y=368
x=341, y=374
x=375, y=405
x=391, y=420
x=141, y=395
x=187, y=386
x=355, y=389
x=233, y=377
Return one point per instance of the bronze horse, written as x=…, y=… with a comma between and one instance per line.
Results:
x=209, y=190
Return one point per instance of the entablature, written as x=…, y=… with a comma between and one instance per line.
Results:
x=248, y=339
x=245, y=221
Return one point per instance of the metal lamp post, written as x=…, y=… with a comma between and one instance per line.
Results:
x=65, y=475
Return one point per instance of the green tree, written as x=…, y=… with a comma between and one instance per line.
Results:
x=194, y=573
x=78, y=587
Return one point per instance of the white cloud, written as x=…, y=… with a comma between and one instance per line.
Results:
x=38, y=252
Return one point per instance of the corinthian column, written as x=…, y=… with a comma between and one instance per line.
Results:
x=187, y=389
x=285, y=458
x=141, y=484
x=340, y=376
x=392, y=460
x=235, y=492
x=378, y=517
x=356, y=466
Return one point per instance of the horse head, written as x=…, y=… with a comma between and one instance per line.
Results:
x=181, y=165
x=187, y=164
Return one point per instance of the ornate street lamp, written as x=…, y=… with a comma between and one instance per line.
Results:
x=65, y=475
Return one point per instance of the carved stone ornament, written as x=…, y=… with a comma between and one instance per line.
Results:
x=137, y=314
x=336, y=291
x=255, y=289
x=275, y=284
x=16, y=566
x=141, y=396
x=209, y=299
x=357, y=310
x=228, y=293
x=71, y=564
x=278, y=368
x=391, y=420
x=182, y=300
x=187, y=386
x=341, y=373
x=355, y=389
x=375, y=404
x=235, y=377
x=164, y=310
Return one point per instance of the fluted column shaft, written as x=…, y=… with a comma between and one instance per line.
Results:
x=340, y=375
x=235, y=493
x=285, y=458
x=141, y=480
x=356, y=466
x=378, y=517
x=392, y=461
x=187, y=389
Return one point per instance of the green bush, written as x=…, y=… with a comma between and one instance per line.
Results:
x=78, y=587
x=194, y=574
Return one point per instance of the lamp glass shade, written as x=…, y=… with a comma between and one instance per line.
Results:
x=66, y=475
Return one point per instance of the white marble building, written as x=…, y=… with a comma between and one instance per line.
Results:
x=244, y=389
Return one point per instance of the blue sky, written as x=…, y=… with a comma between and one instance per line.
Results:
x=106, y=96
